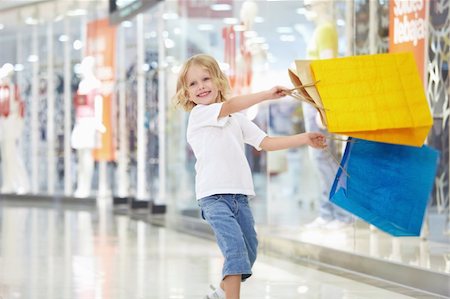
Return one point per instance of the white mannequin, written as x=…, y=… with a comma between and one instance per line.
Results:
x=248, y=13
x=88, y=124
x=15, y=179
x=323, y=45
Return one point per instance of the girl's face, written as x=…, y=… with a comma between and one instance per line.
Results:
x=201, y=87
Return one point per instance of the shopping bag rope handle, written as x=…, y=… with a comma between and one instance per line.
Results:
x=304, y=99
x=337, y=162
x=340, y=139
x=304, y=85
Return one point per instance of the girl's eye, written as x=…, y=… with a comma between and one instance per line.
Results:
x=191, y=84
x=206, y=79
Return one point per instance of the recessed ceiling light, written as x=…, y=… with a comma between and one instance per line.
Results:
x=19, y=67
x=31, y=21
x=287, y=38
x=63, y=38
x=77, y=44
x=284, y=30
x=259, y=20
x=170, y=16
x=220, y=7
x=205, y=27
x=76, y=12
x=33, y=58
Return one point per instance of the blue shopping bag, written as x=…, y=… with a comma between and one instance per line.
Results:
x=387, y=185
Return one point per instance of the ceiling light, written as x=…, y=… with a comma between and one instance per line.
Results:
x=259, y=20
x=76, y=12
x=205, y=27
x=127, y=24
x=77, y=44
x=168, y=43
x=220, y=7
x=284, y=30
x=19, y=67
x=287, y=38
x=170, y=16
x=63, y=38
x=58, y=18
x=33, y=58
x=31, y=21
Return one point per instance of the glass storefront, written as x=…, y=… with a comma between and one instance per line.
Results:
x=256, y=43
x=287, y=182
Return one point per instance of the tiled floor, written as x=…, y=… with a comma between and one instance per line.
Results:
x=55, y=252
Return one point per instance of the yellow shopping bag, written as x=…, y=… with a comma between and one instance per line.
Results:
x=375, y=97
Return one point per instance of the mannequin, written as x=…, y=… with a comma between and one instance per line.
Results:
x=88, y=125
x=14, y=175
x=244, y=59
x=323, y=45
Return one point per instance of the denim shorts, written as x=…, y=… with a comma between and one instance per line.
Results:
x=231, y=219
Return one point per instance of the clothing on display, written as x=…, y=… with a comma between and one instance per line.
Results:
x=12, y=109
x=323, y=44
x=88, y=125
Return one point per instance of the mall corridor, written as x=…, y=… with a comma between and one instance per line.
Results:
x=67, y=251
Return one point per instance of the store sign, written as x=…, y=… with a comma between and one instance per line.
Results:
x=408, y=28
x=101, y=41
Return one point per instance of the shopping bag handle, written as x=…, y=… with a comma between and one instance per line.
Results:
x=340, y=139
x=292, y=92
x=305, y=99
x=304, y=85
x=337, y=162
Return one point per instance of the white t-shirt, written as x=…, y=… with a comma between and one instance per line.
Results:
x=218, y=145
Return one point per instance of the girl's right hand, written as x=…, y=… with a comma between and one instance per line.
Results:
x=277, y=92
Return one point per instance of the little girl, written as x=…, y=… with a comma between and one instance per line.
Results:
x=217, y=133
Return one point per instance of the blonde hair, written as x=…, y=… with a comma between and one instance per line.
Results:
x=218, y=77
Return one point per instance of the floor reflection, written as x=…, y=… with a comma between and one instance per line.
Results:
x=55, y=253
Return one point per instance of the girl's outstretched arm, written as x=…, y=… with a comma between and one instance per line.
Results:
x=313, y=139
x=242, y=102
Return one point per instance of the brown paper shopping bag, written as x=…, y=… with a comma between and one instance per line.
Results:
x=375, y=97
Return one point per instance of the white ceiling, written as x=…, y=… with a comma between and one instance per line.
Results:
x=11, y=4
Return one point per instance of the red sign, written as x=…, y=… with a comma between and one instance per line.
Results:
x=407, y=29
x=101, y=40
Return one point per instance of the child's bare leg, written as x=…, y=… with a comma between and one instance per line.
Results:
x=231, y=284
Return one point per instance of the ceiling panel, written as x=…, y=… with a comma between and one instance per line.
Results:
x=11, y=4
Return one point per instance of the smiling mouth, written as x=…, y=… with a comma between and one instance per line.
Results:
x=203, y=94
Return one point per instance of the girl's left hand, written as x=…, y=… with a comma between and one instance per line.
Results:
x=317, y=140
